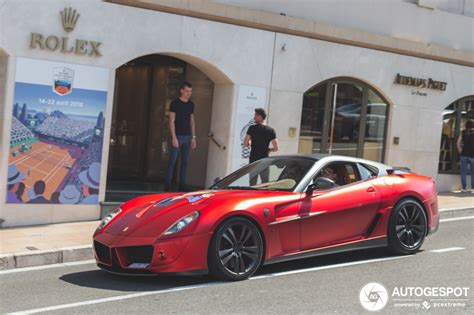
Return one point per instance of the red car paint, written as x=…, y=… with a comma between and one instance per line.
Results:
x=291, y=223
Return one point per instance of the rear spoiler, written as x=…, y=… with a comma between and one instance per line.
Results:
x=398, y=170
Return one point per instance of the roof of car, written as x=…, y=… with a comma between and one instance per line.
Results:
x=333, y=157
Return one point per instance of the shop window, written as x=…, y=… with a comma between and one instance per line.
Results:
x=345, y=117
x=455, y=117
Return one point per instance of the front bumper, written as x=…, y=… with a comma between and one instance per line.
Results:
x=150, y=255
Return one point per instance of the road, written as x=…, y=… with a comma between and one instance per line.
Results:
x=328, y=284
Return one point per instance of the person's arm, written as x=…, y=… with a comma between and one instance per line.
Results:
x=248, y=137
x=247, y=140
x=458, y=143
x=274, y=147
x=174, y=140
x=193, y=133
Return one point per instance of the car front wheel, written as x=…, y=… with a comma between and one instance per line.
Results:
x=236, y=250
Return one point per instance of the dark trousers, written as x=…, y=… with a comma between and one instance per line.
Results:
x=184, y=144
x=464, y=161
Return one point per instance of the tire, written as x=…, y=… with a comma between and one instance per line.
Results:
x=235, y=251
x=407, y=227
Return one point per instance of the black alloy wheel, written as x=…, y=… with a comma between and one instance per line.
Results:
x=236, y=250
x=407, y=227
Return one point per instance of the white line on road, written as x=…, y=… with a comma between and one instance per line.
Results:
x=353, y=263
x=198, y=286
x=457, y=219
x=449, y=249
x=73, y=263
x=113, y=298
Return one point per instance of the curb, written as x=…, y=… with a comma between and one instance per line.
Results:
x=46, y=257
x=85, y=252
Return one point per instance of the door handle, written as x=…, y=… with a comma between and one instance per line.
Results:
x=370, y=190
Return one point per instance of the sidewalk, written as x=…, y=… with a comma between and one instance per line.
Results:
x=46, y=244
x=455, y=200
x=67, y=242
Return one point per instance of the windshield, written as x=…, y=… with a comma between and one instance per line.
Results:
x=273, y=173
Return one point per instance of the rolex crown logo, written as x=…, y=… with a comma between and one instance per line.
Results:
x=69, y=18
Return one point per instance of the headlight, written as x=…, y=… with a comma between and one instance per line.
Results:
x=182, y=223
x=109, y=217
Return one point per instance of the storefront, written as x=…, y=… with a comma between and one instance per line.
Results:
x=85, y=94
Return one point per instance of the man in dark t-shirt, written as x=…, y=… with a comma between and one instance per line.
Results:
x=259, y=137
x=182, y=130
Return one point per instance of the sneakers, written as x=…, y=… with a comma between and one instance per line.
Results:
x=463, y=190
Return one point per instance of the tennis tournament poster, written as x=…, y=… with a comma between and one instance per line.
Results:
x=249, y=98
x=57, y=132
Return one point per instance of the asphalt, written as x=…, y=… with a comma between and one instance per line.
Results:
x=328, y=284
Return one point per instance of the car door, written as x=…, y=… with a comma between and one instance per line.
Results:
x=340, y=214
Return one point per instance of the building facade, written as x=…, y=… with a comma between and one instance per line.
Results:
x=86, y=87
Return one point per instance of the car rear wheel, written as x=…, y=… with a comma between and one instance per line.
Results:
x=236, y=250
x=407, y=227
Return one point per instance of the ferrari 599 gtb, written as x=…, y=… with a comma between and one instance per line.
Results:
x=276, y=209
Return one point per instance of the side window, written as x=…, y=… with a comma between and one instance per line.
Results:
x=367, y=172
x=341, y=173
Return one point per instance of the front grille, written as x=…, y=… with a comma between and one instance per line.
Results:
x=138, y=254
x=102, y=252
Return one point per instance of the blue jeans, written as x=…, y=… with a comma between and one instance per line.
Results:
x=464, y=161
x=184, y=144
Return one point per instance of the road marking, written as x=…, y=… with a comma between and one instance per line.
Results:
x=114, y=298
x=449, y=249
x=73, y=263
x=457, y=219
x=353, y=263
x=195, y=286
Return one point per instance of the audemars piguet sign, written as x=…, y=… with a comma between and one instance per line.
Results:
x=64, y=44
x=420, y=83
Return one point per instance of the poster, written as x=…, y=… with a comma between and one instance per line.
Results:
x=249, y=98
x=57, y=133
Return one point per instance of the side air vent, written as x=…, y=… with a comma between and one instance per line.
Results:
x=373, y=224
x=103, y=253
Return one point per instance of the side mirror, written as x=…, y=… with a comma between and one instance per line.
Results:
x=310, y=189
x=217, y=179
x=321, y=183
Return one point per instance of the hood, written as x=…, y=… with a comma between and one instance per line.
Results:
x=153, y=214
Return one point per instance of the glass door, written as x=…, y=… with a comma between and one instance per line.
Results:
x=346, y=117
x=129, y=122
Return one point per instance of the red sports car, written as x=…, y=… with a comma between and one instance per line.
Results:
x=275, y=209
